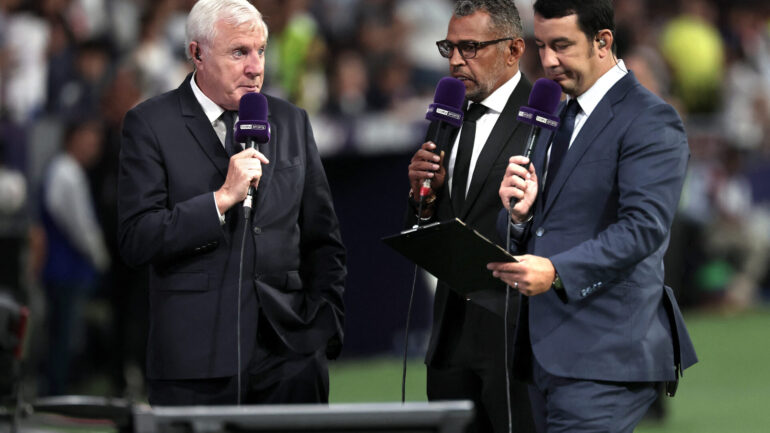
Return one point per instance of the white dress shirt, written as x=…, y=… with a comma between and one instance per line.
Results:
x=588, y=102
x=212, y=110
x=214, y=114
x=593, y=96
x=495, y=104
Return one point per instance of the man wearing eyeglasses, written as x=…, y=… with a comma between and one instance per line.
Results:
x=466, y=354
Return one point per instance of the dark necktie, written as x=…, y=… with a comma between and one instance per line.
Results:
x=464, y=152
x=230, y=146
x=561, y=142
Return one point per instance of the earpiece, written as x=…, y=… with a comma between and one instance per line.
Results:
x=602, y=43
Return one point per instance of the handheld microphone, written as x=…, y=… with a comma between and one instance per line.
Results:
x=540, y=112
x=253, y=129
x=447, y=114
x=543, y=101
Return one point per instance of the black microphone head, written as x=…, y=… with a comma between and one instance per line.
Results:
x=543, y=102
x=448, y=102
x=252, y=119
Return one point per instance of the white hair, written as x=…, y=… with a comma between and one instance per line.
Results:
x=204, y=15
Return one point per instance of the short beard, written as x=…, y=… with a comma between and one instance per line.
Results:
x=484, y=89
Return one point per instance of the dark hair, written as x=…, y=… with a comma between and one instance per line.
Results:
x=593, y=15
x=506, y=21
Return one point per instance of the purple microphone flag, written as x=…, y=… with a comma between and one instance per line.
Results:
x=252, y=119
x=543, y=102
x=448, y=102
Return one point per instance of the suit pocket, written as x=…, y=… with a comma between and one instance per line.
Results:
x=282, y=164
x=285, y=282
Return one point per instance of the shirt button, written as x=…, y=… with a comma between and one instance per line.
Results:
x=540, y=232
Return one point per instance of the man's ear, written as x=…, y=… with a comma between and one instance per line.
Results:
x=516, y=48
x=195, y=51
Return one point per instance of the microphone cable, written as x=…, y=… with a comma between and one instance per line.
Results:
x=511, y=203
x=409, y=311
x=505, y=326
x=238, y=313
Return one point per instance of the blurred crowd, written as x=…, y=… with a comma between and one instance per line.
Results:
x=365, y=70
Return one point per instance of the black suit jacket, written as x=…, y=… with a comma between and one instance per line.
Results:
x=171, y=161
x=482, y=203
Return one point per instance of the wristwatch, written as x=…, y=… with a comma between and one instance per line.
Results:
x=557, y=284
x=558, y=288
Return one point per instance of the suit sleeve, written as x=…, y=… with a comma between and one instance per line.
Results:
x=151, y=229
x=322, y=254
x=650, y=173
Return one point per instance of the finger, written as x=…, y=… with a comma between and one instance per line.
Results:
x=261, y=157
x=425, y=166
x=429, y=145
x=425, y=155
x=502, y=266
x=531, y=172
x=510, y=184
x=516, y=170
x=513, y=193
x=520, y=160
x=249, y=153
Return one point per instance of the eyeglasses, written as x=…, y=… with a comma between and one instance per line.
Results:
x=467, y=49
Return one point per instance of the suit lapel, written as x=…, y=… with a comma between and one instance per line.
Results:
x=539, y=159
x=594, y=125
x=498, y=138
x=200, y=128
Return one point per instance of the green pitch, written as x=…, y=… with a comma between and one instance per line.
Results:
x=728, y=391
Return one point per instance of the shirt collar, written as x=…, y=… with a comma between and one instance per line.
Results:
x=591, y=97
x=210, y=108
x=497, y=100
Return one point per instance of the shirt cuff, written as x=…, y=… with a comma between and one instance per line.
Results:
x=517, y=229
x=216, y=207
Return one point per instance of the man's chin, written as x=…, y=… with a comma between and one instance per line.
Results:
x=567, y=85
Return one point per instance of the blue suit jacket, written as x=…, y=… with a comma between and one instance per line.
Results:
x=171, y=161
x=605, y=227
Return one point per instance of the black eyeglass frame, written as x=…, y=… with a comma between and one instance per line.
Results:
x=450, y=47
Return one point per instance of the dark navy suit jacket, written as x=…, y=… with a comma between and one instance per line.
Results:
x=171, y=161
x=605, y=227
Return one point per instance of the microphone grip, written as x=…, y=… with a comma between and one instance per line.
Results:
x=528, y=150
x=441, y=135
x=251, y=143
x=531, y=140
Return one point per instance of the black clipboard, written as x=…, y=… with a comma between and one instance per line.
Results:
x=452, y=252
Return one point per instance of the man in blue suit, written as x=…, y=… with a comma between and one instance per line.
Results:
x=274, y=280
x=598, y=329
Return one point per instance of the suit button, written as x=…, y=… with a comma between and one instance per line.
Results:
x=257, y=230
x=540, y=232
